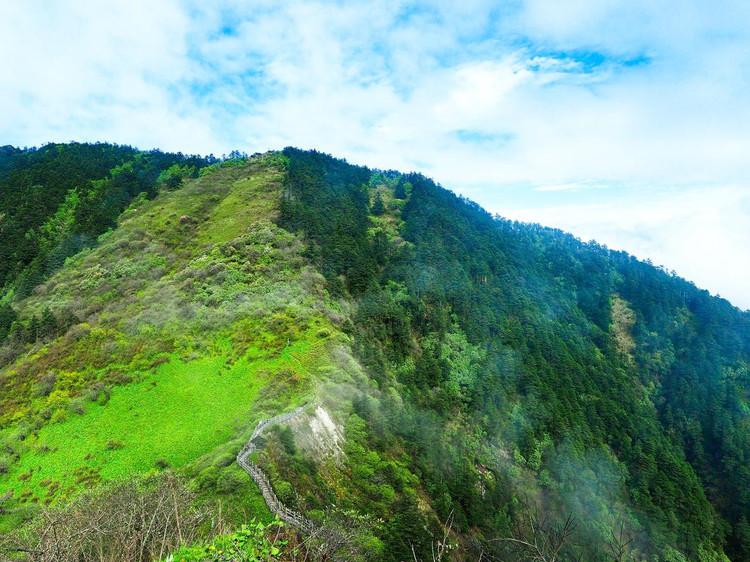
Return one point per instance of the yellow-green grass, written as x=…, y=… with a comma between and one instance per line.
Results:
x=173, y=416
x=216, y=208
x=249, y=198
x=133, y=280
x=240, y=330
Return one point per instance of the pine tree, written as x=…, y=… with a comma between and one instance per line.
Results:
x=7, y=316
x=377, y=208
x=47, y=325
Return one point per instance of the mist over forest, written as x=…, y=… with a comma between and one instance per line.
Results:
x=438, y=383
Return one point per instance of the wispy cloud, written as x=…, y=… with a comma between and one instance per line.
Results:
x=572, y=186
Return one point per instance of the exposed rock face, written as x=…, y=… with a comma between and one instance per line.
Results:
x=318, y=436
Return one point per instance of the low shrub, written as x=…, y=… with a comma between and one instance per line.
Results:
x=114, y=444
x=252, y=542
x=230, y=482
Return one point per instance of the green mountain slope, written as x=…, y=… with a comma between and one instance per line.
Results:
x=194, y=303
x=55, y=201
x=583, y=358
x=472, y=380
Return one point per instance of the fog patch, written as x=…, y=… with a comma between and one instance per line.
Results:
x=317, y=436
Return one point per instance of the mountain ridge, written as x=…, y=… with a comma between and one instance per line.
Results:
x=561, y=377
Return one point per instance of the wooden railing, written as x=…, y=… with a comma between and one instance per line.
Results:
x=256, y=473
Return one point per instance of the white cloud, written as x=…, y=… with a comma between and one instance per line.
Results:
x=629, y=27
x=478, y=89
x=96, y=71
x=571, y=186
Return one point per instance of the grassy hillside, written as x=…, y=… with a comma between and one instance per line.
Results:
x=55, y=201
x=476, y=385
x=182, y=315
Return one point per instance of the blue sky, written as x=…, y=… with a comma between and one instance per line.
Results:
x=623, y=121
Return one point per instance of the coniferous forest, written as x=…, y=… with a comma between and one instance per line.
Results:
x=491, y=390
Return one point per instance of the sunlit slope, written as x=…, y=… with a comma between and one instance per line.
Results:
x=195, y=303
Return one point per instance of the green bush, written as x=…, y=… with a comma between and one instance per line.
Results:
x=44, y=386
x=5, y=462
x=229, y=482
x=224, y=460
x=207, y=478
x=251, y=543
x=114, y=444
x=285, y=493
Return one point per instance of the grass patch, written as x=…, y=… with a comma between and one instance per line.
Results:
x=172, y=416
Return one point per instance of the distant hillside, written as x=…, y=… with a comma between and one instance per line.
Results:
x=55, y=200
x=489, y=388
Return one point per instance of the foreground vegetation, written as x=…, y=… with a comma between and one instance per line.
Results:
x=484, y=388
